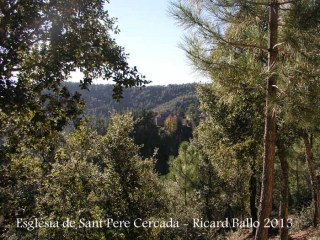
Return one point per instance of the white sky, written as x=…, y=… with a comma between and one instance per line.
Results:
x=151, y=37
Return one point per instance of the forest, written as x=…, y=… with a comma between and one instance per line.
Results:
x=234, y=158
x=174, y=98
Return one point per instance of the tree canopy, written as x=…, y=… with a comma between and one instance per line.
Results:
x=41, y=44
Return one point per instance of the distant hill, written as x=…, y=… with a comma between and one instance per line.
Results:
x=174, y=98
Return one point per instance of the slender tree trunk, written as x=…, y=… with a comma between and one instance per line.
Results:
x=270, y=125
x=283, y=211
x=313, y=178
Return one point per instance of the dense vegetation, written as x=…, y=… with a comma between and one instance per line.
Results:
x=70, y=171
x=145, y=103
x=173, y=98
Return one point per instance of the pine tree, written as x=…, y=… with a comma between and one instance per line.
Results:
x=221, y=31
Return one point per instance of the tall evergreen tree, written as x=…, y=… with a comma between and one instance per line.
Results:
x=300, y=88
x=221, y=31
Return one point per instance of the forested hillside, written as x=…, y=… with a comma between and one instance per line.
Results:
x=236, y=158
x=99, y=101
x=145, y=103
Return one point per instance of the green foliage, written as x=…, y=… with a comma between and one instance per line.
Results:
x=42, y=43
x=228, y=44
x=227, y=41
x=179, y=105
x=230, y=141
x=90, y=177
x=173, y=98
x=305, y=218
x=183, y=169
x=146, y=133
x=153, y=140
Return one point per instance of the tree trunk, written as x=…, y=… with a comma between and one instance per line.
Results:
x=313, y=178
x=270, y=125
x=283, y=211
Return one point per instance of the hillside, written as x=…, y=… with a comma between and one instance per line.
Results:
x=174, y=98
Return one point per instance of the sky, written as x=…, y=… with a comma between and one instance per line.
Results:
x=151, y=37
